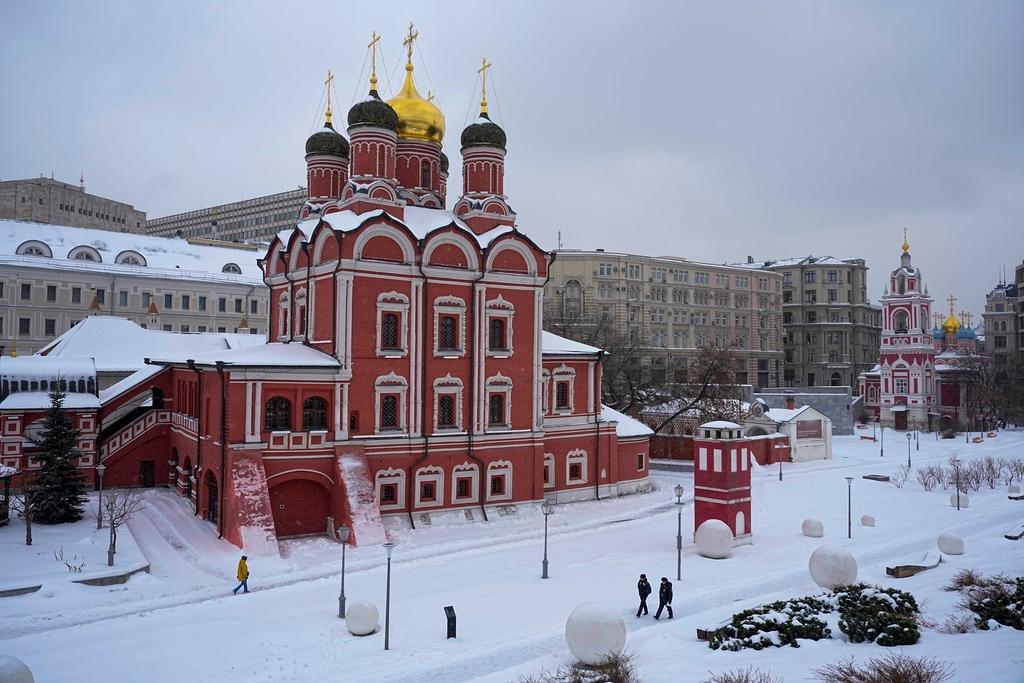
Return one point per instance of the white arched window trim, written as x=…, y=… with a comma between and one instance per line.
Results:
x=549, y=470
x=398, y=303
x=452, y=386
x=470, y=472
x=390, y=384
x=284, y=316
x=502, y=470
x=455, y=307
x=433, y=475
x=393, y=477
x=577, y=456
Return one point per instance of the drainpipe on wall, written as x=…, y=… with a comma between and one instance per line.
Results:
x=199, y=450
x=223, y=446
x=597, y=444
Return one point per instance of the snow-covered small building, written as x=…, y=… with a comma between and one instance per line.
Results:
x=809, y=431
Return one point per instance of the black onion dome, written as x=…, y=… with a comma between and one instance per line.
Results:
x=327, y=141
x=373, y=111
x=483, y=133
x=444, y=162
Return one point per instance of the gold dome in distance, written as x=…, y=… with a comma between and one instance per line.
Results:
x=418, y=118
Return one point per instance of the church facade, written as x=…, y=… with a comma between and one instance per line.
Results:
x=406, y=373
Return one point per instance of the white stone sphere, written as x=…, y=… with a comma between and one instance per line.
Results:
x=867, y=520
x=594, y=632
x=714, y=539
x=951, y=544
x=1014, y=489
x=361, y=618
x=13, y=670
x=965, y=500
x=831, y=566
x=813, y=528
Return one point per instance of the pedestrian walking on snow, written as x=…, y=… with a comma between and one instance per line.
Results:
x=243, y=576
x=644, y=588
x=664, y=598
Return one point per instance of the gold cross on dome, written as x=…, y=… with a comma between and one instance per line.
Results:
x=430, y=96
x=484, y=66
x=374, y=39
x=413, y=35
x=952, y=302
x=329, y=82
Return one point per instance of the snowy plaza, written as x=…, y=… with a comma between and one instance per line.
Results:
x=510, y=621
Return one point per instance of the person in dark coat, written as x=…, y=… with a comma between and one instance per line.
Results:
x=644, y=588
x=664, y=598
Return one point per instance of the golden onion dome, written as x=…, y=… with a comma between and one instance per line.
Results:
x=418, y=119
x=952, y=325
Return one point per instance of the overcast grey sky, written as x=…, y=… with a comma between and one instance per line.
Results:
x=708, y=130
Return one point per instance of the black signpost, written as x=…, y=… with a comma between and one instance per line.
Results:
x=449, y=612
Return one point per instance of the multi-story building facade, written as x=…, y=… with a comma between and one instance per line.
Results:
x=249, y=220
x=1004, y=321
x=666, y=308
x=830, y=330
x=51, y=277
x=45, y=200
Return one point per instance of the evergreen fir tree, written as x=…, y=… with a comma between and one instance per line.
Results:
x=60, y=492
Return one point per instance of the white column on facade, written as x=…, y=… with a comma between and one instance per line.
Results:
x=591, y=389
x=340, y=424
x=258, y=409
x=480, y=344
x=415, y=360
x=538, y=354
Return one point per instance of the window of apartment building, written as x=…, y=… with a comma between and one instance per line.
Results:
x=787, y=278
x=186, y=329
x=834, y=316
x=810, y=355
x=999, y=342
x=680, y=276
x=659, y=275
x=122, y=298
x=51, y=292
x=721, y=280
x=833, y=296
x=238, y=305
x=49, y=327
x=604, y=290
x=762, y=284
x=201, y=328
x=810, y=277
x=604, y=269
x=222, y=330
x=26, y=291
x=168, y=328
x=222, y=305
x=634, y=271
x=254, y=306
x=633, y=293
x=831, y=276
x=24, y=326
x=658, y=294
x=701, y=278
x=812, y=316
x=146, y=299
x=742, y=281
x=811, y=297
x=101, y=296
x=201, y=303
x=168, y=301
x=833, y=356
x=787, y=297
x=186, y=302
x=787, y=318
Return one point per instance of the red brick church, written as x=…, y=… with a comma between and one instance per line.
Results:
x=406, y=373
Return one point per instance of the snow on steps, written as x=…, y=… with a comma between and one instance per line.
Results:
x=256, y=517
x=360, y=499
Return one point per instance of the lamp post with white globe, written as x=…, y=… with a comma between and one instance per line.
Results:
x=679, y=531
x=343, y=534
x=388, y=547
x=849, y=507
x=100, y=469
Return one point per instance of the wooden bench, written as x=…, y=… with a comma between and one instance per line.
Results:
x=1015, y=534
x=865, y=437
x=928, y=560
x=1016, y=496
x=877, y=477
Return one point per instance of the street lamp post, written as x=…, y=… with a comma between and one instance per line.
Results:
x=546, y=508
x=100, y=469
x=849, y=507
x=917, y=439
x=388, y=547
x=881, y=449
x=956, y=471
x=679, y=531
x=343, y=533
x=909, y=438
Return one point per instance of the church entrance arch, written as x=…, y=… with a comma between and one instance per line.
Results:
x=301, y=507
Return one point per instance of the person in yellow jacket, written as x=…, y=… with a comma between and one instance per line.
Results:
x=243, y=576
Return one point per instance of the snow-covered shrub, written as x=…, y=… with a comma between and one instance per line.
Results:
x=999, y=599
x=886, y=616
x=750, y=675
x=1017, y=468
x=958, y=622
x=991, y=470
x=773, y=625
x=964, y=578
x=891, y=668
x=616, y=669
x=901, y=476
x=970, y=476
x=928, y=478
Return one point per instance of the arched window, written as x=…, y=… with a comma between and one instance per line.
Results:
x=231, y=268
x=573, y=290
x=496, y=409
x=389, y=338
x=314, y=414
x=448, y=333
x=899, y=321
x=425, y=173
x=901, y=284
x=496, y=335
x=279, y=415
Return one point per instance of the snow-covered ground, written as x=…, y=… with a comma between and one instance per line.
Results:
x=181, y=621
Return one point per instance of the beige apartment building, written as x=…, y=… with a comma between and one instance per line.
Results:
x=45, y=200
x=668, y=307
x=249, y=220
x=831, y=332
x=51, y=277
x=1004, y=322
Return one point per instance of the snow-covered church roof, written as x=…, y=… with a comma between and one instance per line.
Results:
x=553, y=344
x=626, y=426
x=36, y=245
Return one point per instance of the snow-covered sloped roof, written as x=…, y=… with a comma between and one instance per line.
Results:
x=39, y=400
x=40, y=367
x=276, y=354
x=627, y=426
x=420, y=221
x=720, y=424
x=129, y=382
x=118, y=344
x=163, y=256
x=795, y=261
x=555, y=345
x=784, y=414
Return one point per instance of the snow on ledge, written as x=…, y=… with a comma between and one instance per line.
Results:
x=40, y=400
x=626, y=426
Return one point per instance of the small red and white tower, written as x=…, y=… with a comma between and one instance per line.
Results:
x=721, y=478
